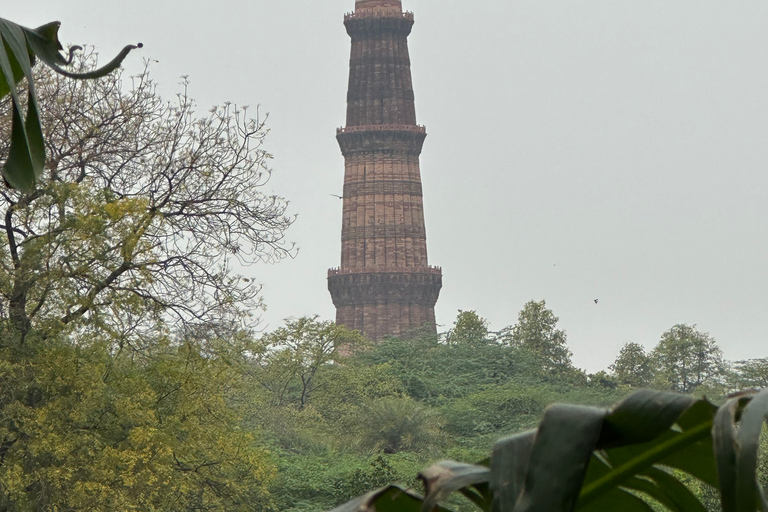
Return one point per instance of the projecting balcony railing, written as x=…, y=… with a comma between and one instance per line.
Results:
x=382, y=128
x=373, y=270
x=378, y=13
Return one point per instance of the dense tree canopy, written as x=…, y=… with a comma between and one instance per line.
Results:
x=83, y=428
x=536, y=331
x=687, y=358
x=633, y=367
x=291, y=356
x=469, y=328
x=749, y=374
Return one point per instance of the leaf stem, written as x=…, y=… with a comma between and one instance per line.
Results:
x=631, y=468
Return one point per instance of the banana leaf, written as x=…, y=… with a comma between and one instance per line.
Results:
x=19, y=49
x=639, y=456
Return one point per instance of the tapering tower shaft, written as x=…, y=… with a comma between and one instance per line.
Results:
x=384, y=285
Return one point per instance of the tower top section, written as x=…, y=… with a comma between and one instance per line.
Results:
x=378, y=5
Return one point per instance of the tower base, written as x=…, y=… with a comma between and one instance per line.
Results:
x=385, y=303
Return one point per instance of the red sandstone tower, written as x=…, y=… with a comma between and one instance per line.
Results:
x=384, y=285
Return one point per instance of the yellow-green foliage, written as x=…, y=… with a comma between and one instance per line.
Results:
x=85, y=429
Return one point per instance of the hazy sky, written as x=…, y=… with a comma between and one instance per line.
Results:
x=577, y=149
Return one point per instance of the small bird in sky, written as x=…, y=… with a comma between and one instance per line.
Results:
x=596, y=300
x=334, y=195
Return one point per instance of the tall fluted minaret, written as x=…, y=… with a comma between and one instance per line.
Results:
x=384, y=286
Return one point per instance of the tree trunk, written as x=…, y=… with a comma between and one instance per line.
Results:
x=17, y=308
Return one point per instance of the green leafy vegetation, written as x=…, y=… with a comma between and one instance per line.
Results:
x=85, y=428
x=492, y=386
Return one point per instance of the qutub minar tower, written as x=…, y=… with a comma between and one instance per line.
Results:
x=384, y=285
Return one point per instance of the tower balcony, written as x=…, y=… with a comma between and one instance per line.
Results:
x=397, y=138
x=402, y=286
x=418, y=128
x=378, y=13
x=436, y=271
x=372, y=23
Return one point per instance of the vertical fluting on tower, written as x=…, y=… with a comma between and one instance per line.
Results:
x=385, y=286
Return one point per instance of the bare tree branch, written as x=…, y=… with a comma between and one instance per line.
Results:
x=142, y=211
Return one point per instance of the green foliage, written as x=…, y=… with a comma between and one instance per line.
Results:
x=477, y=420
x=435, y=372
x=495, y=410
x=304, y=432
x=82, y=428
x=688, y=359
x=603, y=380
x=305, y=484
x=410, y=359
x=344, y=394
x=649, y=452
x=749, y=374
x=362, y=480
x=468, y=329
x=19, y=48
x=536, y=331
x=291, y=356
x=633, y=367
x=393, y=425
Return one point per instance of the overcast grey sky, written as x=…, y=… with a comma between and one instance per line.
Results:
x=609, y=149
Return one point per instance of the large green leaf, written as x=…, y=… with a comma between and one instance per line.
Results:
x=445, y=477
x=618, y=500
x=642, y=416
x=564, y=443
x=637, y=457
x=17, y=73
x=387, y=499
x=26, y=156
x=644, y=467
x=724, y=433
x=19, y=46
x=749, y=495
x=44, y=43
x=509, y=465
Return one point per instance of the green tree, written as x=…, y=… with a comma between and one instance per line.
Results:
x=85, y=428
x=633, y=367
x=468, y=329
x=749, y=374
x=139, y=214
x=410, y=359
x=536, y=331
x=127, y=236
x=290, y=357
x=687, y=358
